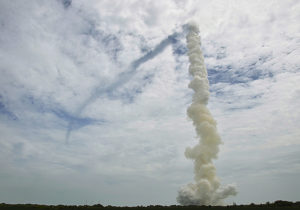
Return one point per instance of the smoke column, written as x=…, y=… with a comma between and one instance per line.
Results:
x=206, y=189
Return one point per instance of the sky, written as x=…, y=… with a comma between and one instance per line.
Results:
x=93, y=99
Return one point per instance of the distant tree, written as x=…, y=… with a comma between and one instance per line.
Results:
x=98, y=205
x=283, y=203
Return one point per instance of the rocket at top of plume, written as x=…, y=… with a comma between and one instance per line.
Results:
x=193, y=26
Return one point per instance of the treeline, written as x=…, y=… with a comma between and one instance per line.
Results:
x=275, y=205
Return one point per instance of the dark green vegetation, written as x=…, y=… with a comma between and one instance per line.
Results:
x=276, y=205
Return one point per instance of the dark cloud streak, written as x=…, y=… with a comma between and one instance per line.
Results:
x=66, y=3
x=122, y=78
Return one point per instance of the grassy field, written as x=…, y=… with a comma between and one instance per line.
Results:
x=275, y=205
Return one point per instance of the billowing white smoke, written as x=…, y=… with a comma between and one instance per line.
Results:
x=206, y=190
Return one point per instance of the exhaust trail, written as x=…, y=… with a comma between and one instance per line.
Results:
x=206, y=188
x=122, y=78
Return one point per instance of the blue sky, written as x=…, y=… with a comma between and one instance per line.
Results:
x=93, y=98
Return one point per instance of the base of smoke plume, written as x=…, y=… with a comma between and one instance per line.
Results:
x=201, y=195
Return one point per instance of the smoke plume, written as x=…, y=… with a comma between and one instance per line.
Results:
x=206, y=189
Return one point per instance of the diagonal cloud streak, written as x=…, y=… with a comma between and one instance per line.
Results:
x=122, y=78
